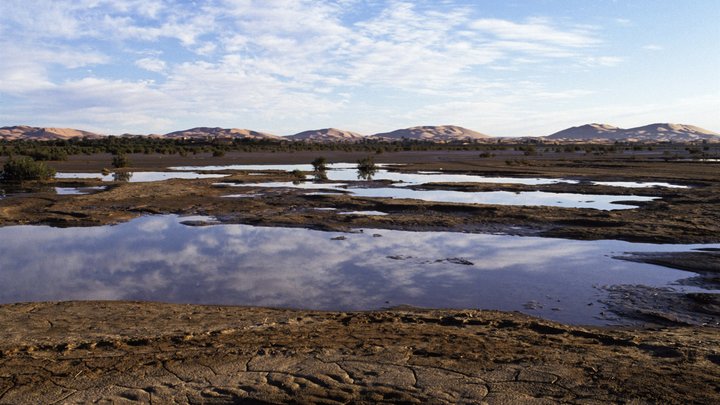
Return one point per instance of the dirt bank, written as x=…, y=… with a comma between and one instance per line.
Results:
x=75, y=352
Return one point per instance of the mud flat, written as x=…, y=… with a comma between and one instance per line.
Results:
x=680, y=215
x=74, y=352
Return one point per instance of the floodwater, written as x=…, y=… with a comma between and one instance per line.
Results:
x=527, y=198
x=348, y=172
x=157, y=258
x=78, y=190
x=138, y=177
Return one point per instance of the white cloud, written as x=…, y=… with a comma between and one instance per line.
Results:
x=151, y=64
x=536, y=30
x=284, y=64
x=653, y=47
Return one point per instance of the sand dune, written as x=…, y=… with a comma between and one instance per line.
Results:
x=326, y=135
x=652, y=132
x=40, y=133
x=216, y=132
x=432, y=133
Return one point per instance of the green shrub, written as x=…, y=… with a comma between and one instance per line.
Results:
x=24, y=168
x=319, y=164
x=120, y=160
x=366, y=168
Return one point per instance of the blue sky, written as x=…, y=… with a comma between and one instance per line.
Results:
x=504, y=68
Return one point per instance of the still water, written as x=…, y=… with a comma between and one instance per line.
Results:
x=527, y=198
x=158, y=258
x=348, y=172
x=138, y=177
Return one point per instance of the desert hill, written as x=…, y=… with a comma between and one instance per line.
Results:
x=326, y=135
x=207, y=132
x=653, y=132
x=442, y=133
x=43, y=133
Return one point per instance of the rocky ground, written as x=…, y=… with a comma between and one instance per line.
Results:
x=123, y=352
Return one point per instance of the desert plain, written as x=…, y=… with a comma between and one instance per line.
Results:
x=663, y=348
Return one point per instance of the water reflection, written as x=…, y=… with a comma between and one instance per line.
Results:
x=157, y=258
x=138, y=177
x=122, y=176
x=78, y=190
x=348, y=172
x=527, y=198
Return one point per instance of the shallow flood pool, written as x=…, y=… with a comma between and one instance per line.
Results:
x=348, y=172
x=527, y=198
x=138, y=177
x=159, y=259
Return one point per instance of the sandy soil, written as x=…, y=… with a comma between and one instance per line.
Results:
x=122, y=352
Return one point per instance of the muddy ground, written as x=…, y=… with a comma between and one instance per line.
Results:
x=144, y=352
x=689, y=215
x=123, y=352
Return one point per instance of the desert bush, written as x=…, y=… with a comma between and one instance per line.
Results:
x=366, y=168
x=120, y=160
x=25, y=168
x=319, y=164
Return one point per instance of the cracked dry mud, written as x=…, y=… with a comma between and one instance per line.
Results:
x=124, y=352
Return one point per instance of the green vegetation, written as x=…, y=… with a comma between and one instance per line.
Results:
x=25, y=168
x=366, y=168
x=120, y=160
x=319, y=164
x=61, y=149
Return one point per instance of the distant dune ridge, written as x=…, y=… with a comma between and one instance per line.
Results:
x=440, y=133
x=652, y=132
x=207, y=132
x=326, y=135
x=40, y=133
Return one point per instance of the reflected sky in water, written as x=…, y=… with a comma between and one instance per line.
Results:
x=529, y=198
x=138, y=177
x=348, y=172
x=159, y=259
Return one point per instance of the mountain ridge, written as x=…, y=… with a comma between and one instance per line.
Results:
x=326, y=135
x=433, y=133
x=659, y=132
x=656, y=132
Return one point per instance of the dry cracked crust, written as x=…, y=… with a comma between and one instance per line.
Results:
x=126, y=352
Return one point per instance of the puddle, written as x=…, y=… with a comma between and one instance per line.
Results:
x=78, y=190
x=303, y=185
x=363, y=213
x=348, y=172
x=138, y=177
x=636, y=184
x=159, y=259
x=527, y=198
x=241, y=195
x=286, y=168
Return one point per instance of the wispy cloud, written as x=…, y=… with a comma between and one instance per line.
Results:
x=653, y=47
x=277, y=65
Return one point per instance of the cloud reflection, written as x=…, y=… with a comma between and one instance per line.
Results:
x=157, y=258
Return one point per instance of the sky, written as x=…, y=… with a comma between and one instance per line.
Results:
x=503, y=68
